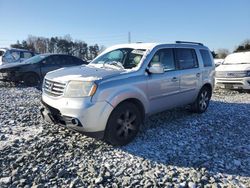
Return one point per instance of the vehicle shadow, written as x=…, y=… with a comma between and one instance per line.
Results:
x=217, y=140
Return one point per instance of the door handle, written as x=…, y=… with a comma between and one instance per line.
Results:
x=174, y=79
x=198, y=75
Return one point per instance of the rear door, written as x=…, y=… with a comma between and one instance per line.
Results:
x=190, y=73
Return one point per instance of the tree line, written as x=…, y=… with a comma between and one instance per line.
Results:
x=79, y=48
x=62, y=45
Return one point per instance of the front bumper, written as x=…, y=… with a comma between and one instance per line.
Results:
x=79, y=114
x=233, y=83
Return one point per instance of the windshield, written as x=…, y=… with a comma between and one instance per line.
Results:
x=35, y=59
x=123, y=58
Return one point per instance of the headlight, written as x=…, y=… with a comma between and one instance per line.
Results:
x=248, y=74
x=80, y=89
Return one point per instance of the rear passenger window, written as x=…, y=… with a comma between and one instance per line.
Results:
x=206, y=58
x=166, y=58
x=186, y=58
x=53, y=60
x=64, y=60
x=69, y=60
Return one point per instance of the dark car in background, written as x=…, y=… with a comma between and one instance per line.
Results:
x=33, y=70
x=14, y=55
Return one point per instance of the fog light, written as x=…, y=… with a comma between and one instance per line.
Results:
x=75, y=121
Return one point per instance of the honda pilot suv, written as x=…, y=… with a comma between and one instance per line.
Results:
x=110, y=97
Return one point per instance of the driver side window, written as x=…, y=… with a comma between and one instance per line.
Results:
x=166, y=58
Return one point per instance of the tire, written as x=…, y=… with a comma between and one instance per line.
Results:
x=202, y=101
x=123, y=124
x=31, y=79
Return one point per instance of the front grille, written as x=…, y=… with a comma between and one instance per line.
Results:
x=52, y=88
x=230, y=74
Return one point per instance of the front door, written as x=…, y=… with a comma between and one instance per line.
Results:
x=163, y=89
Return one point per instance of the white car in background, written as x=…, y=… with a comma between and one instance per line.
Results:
x=234, y=73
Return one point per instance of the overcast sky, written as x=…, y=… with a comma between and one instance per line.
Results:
x=216, y=23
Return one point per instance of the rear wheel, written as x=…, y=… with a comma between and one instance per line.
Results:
x=31, y=79
x=123, y=124
x=202, y=102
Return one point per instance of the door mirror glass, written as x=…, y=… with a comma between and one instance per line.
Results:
x=156, y=68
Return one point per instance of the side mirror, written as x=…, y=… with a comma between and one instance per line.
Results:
x=156, y=68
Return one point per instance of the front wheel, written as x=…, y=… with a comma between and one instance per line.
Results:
x=123, y=124
x=202, y=101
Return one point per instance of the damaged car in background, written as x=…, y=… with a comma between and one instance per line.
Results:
x=33, y=70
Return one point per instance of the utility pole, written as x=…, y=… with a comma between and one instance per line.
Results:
x=129, y=37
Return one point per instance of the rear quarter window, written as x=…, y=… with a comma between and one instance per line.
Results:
x=206, y=58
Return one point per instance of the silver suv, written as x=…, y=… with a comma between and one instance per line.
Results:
x=110, y=97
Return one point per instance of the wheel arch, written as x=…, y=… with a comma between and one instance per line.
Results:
x=137, y=103
x=133, y=95
x=209, y=86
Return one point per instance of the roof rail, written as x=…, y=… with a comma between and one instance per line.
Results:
x=186, y=42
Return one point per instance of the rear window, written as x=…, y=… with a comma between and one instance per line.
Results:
x=206, y=58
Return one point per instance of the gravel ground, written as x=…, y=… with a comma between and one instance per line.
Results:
x=174, y=149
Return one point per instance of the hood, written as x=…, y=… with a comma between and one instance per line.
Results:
x=12, y=65
x=82, y=73
x=233, y=67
